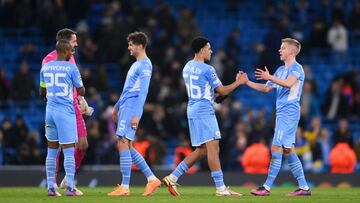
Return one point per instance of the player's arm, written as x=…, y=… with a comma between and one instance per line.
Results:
x=42, y=89
x=265, y=75
x=241, y=78
x=265, y=88
x=77, y=81
x=145, y=77
x=115, y=111
x=81, y=91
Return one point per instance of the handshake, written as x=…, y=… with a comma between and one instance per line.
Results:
x=241, y=78
x=84, y=107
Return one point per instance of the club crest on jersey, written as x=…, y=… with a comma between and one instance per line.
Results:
x=213, y=75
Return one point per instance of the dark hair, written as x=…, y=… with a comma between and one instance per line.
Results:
x=62, y=45
x=198, y=43
x=65, y=34
x=138, y=38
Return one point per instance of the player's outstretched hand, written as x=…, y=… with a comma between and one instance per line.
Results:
x=262, y=74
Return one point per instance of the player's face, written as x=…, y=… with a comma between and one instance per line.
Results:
x=134, y=48
x=73, y=42
x=286, y=50
x=207, y=52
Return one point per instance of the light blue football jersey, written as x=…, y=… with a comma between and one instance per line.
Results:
x=59, y=79
x=201, y=80
x=136, y=86
x=288, y=99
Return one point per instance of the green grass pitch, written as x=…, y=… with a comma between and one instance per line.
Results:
x=188, y=195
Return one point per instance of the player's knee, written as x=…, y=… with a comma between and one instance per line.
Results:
x=122, y=143
x=286, y=151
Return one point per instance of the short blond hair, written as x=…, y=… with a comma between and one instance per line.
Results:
x=293, y=42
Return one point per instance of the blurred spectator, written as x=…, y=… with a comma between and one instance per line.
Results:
x=338, y=11
x=20, y=130
x=302, y=11
x=23, y=86
x=187, y=26
x=232, y=46
x=342, y=159
x=356, y=107
x=94, y=100
x=218, y=61
x=87, y=78
x=88, y=50
x=94, y=137
x=256, y=159
x=354, y=17
x=259, y=127
x=4, y=86
x=321, y=151
x=343, y=134
x=8, y=141
x=317, y=37
x=240, y=144
x=309, y=101
x=337, y=37
x=303, y=149
x=52, y=18
x=9, y=137
x=101, y=78
x=312, y=134
x=334, y=104
x=167, y=22
x=1, y=148
x=28, y=152
x=28, y=52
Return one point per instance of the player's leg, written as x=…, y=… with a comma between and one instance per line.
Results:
x=50, y=165
x=213, y=150
x=69, y=166
x=123, y=145
x=274, y=168
x=210, y=135
x=125, y=134
x=297, y=171
x=170, y=181
x=51, y=135
x=80, y=148
x=139, y=161
x=276, y=159
x=82, y=145
x=188, y=162
x=67, y=130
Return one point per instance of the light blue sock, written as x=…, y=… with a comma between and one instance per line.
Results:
x=125, y=167
x=69, y=166
x=140, y=162
x=218, y=179
x=180, y=170
x=297, y=170
x=50, y=165
x=274, y=169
